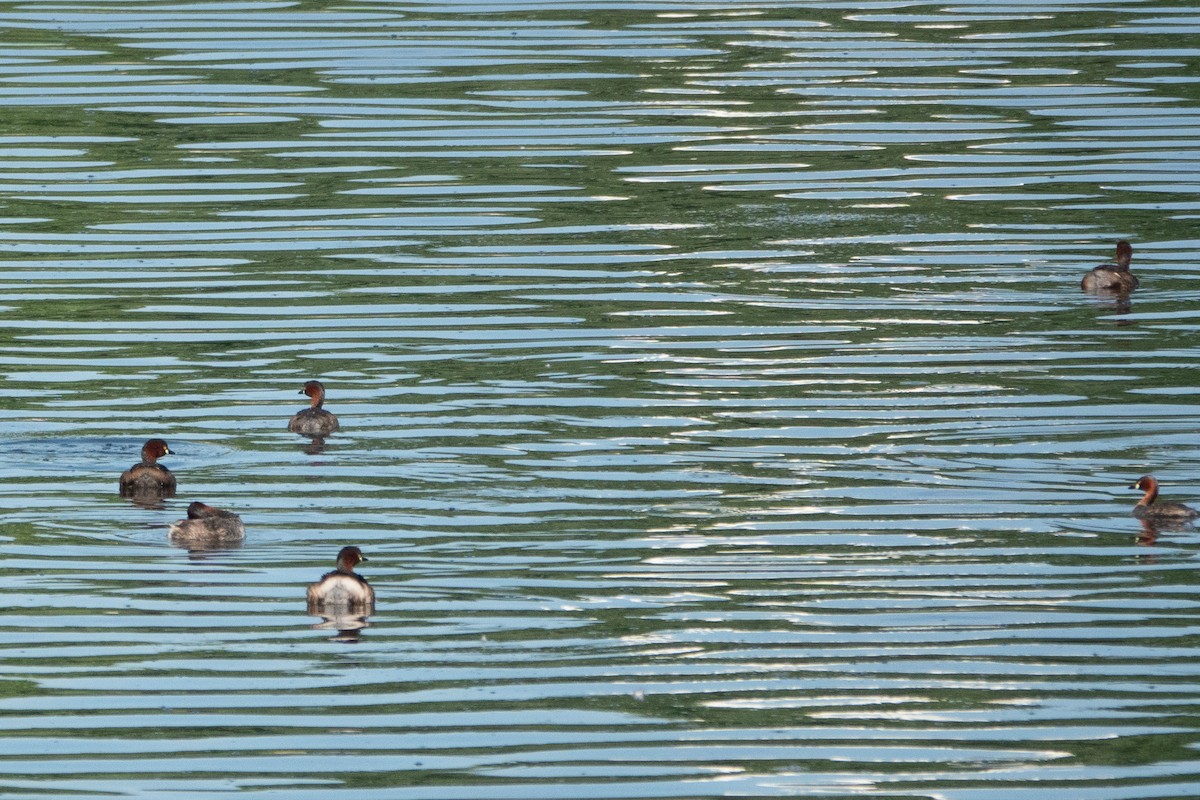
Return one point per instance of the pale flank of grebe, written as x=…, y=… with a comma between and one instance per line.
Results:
x=343, y=589
x=1148, y=508
x=148, y=476
x=207, y=526
x=1114, y=277
x=314, y=420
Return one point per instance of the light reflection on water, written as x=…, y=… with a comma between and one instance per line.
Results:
x=720, y=412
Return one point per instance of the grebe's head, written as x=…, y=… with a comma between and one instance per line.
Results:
x=198, y=510
x=155, y=449
x=348, y=558
x=1146, y=483
x=315, y=390
x=1124, y=253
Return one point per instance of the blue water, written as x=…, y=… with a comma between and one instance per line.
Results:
x=721, y=415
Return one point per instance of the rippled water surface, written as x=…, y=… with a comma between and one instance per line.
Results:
x=720, y=411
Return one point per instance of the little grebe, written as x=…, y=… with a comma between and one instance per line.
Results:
x=206, y=525
x=343, y=589
x=1112, y=277
x=314, y=421
x=148, y=476
x=1146, y=508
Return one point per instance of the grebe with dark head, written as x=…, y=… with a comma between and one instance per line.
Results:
x=1148, y=508
x=343, y=589
x=148, y=476
x=207, y=526
x=1114, y=277
x=314, y=420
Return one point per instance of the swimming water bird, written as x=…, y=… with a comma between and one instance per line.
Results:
x=148, y=477
x=314, y=420
x=343, y=589
x=1114, y=277
x=207, y=526
x=1147, y=508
